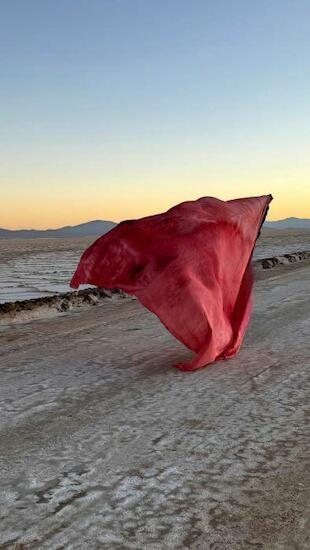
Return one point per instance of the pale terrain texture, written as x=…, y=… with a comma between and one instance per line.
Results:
x=30, y=268
x=104, y=445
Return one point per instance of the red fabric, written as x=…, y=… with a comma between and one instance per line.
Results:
x=190, y=266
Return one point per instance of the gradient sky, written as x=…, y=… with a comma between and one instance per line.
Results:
x=113, y=109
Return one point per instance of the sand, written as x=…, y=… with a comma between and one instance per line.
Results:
x=104, y=445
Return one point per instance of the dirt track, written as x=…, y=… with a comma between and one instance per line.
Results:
x=103, y=445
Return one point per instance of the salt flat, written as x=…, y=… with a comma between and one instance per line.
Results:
x=30, y=268
x=104, y=445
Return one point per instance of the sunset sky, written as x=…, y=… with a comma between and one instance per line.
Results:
x=114, y=109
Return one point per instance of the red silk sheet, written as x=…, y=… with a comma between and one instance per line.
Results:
x=191, y=266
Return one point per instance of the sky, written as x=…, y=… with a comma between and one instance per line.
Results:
x=117, y=109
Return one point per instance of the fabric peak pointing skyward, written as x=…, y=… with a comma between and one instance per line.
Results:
x=191, y=266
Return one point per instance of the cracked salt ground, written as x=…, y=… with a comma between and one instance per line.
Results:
x=103, y=445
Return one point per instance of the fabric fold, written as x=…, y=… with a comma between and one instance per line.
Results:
x=191, y=266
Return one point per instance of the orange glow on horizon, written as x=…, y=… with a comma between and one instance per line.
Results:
x=37, y=216
x=60, y=202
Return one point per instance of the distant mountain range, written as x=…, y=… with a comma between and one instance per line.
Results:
x=88, y=229
x=99, y=227
x=289, y=223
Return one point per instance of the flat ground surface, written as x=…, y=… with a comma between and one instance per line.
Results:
x=104, y=445
x=30, y=268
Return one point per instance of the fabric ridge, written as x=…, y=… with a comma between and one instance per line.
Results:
x=191, y=266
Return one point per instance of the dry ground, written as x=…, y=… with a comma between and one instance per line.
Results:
x=104, y=445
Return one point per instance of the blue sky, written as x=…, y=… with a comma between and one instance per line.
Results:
x=116, y=109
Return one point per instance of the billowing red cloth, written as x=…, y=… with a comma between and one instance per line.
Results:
x=190, y=266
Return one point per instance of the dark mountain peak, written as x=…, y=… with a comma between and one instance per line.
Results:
x=289, y=223
x=94, y=228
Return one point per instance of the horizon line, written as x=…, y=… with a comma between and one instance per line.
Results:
x=117, y=222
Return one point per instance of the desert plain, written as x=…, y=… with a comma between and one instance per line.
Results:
x=103, y=444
